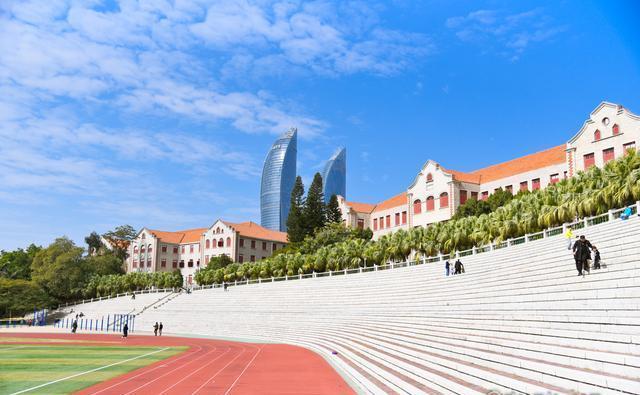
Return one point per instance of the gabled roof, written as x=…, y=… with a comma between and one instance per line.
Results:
x=179, y=237
x=361, y=207
x=463, y=177
x=395, y=201
x=253, y=230
x=538, y=160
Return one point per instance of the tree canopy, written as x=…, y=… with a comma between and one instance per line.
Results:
x=295, y=221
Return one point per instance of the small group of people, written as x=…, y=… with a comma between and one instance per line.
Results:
x=157, y=329
x=458, y=267
x=582, y=250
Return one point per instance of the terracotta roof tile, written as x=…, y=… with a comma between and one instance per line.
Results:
x=464, y=177
x=181, y=236
x=538, y=160
x=251, y=229
x=361, y=207
x=395, y=201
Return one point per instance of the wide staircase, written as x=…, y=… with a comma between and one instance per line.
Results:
x=520, y=320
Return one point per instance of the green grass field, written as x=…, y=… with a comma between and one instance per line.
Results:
x=23, y=367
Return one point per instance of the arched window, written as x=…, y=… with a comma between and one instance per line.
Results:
x=430, y=203
x=135, y=249
x=417, y=206
x=149, y=248
x=616, y=129
x=228, y=241
x=142, y=249
x=213, y=243
x=444, y=200
x=429, y=177
x=596, y=135
x=221, y=242
x=207, y=244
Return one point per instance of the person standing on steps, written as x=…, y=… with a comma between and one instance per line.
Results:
x=155, y=329
x=569, y=235
x=458, y=267
x=447, y=265
x=596, y=258
x=160, y=329
x=582, y=255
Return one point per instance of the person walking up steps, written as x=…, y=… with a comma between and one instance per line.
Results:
x=447, y=265
x=582, y=255
x=160, y=329
x=458, y=267
x=155, y=329
x=569, y=235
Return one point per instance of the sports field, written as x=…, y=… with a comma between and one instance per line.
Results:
x=92, y=364
x=61, y=368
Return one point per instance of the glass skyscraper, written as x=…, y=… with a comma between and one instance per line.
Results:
x=278, y=178
x=334, y=176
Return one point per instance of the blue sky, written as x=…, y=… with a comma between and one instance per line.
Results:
x=160, y=113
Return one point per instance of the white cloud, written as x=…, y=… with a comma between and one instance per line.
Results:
x=512, y=32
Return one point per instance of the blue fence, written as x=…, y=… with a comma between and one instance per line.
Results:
x=110, y=323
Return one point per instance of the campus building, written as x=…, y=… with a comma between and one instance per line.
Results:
x=189, y=250
x=334, y=175
x=278, y=178
x=436, y=192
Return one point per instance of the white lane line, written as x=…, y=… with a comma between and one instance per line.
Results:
x=89, y=371
x=148, y=371
x=218, y=372
x=171, y=371
x=13, y=348
x=244, y=370
x=195, y=371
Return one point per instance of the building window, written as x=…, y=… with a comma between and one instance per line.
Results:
x=274, y=247
x=198, y=263
x=608, y=155
x=388, y=224
x=417, y=206
x=135, y=264
x=150, y=249
x=142, y=249
x=190, y=263
x=241, y=242
x=221, y=242
x=228, y=241
x=135, y=249
x=175, y=250
x=524, y=186
x=616, y=130
x=181, y=264
x=554, y=178
x=431, y=203
x=474, y=195
x=596, y=135
x=397, y=219
x=207, y=244
x=206, y=259
x=589, y=160
x=375, y=224
x=163, y=263
x=264, y=245
x=404, y=217
x=164, y=249
x=182, y=249
x=174, y=264
x=191, y=249
x=535, y=184
x=429, y=177
x=509, y=188
x=253, y=244
x=240, y=258
x=148, y=262
x=463, y=196
x=444, y=200
x=485, y=195
x=629, y=147
x=252, y=258
x=360, y=223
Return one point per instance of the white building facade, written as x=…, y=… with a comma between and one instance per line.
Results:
x=436, y=193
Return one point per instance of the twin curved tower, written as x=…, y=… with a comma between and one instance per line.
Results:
x=279, y=176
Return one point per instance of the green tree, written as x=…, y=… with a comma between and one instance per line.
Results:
x=334, y=215
x=295, y=221
x=314, y=207
x=120, y=238
x=18, y=297
x=104, y=264
x=94, y=243
x=17, y=264
x=60, y=270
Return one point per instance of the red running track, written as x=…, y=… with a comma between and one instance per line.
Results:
x=217, y=367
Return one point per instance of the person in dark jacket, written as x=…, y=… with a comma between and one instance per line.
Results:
x=155, y=329
x=596, y=257
x=582, y=255
x=160, y=329
x=458, y=267
x=125, y=330
x=447, y=265
x=74, y=326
